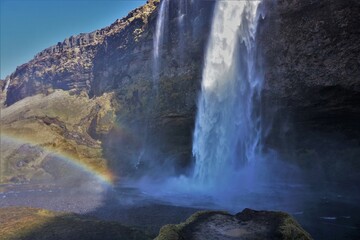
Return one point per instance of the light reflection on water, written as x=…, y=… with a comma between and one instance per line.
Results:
x=326, y=215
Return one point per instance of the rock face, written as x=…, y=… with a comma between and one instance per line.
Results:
x=161, y=110
x=310, y=49
x=248, y=224
x=311, y=53
x=2, y=96
x=41, y=136
x=119, y=59
x=69, y=64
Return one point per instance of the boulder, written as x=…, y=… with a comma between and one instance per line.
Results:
x=248, y=224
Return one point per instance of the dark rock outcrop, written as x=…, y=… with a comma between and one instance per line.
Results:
x=311, y=51
x=160, y=109
x=248, y=224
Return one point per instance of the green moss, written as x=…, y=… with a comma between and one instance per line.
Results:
x=23, y=223
x=290, y=229
x=173, y=231
x=283, y=225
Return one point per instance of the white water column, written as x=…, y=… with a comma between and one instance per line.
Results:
x=227, y=131
x=159, y=37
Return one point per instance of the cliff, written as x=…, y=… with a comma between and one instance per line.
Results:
x=161, y=110
x=44, y=137
x=118, y=60
x=69, y=64
x=310, y=51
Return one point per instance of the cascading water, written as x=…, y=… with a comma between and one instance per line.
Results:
x=228, y=125
x=7, y=85
x=231, y=170
x=158, y=40
x=159, y=37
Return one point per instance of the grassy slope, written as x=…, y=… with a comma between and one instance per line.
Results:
x=23, y=223
x=59, y=123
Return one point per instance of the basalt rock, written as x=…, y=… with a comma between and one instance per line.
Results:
x=311, y=51
x=311, y=54
x=44, y=137
x=161, y=108
x=248, y=224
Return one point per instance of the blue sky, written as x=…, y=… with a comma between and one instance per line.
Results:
x=29, y=26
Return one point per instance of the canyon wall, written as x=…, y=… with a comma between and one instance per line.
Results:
x=310, y=50
x=68, y=65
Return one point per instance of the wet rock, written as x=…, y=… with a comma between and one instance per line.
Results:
x=248, y=224
x=311, y=52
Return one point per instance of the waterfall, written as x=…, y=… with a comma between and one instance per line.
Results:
x=228, y=125
x=7, y=85
x=159, y=37
x=158, y=40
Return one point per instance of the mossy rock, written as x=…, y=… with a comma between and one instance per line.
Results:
x=249, y=224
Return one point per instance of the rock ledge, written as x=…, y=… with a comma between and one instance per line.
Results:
x=248, y=224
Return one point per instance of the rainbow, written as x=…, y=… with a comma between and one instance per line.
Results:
x=105, y=177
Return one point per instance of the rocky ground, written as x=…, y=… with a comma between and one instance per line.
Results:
x=324, y=216
x=24, y=223
x=76, y=214
x=128, y=207
x=248, y=224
